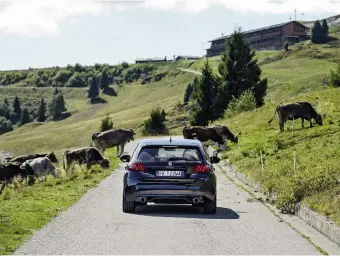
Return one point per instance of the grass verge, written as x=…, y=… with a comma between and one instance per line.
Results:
x=27, y=209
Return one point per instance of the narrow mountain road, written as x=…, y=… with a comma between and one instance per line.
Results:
x=97, y=225
x=190, y=71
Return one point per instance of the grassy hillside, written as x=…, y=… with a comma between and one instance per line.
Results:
x=128, y=110
x=300, y=75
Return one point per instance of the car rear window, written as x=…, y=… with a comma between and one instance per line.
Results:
x=163, y=153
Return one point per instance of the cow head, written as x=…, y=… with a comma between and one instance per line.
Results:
x=318, y=119
x=52, y=157
x=105, y=163
x=94, y=136
x=132, y=134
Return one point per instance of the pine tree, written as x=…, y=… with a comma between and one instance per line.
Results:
x=104, y=80
x=57, y=106
x=317, y=33
x=55, y=91
x=6, y=102
x=325, y=29
x=42, y=111
x=25, y=118
x=188, y=93
x=93, y=91
x=17, y=107
x=204, y=97
x=239, y=71
x=7, y=113
x=163, y=115
x=106, y=124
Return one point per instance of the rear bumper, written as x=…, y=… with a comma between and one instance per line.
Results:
x=156, y=195
x=184, y=190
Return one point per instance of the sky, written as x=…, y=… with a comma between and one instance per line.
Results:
x=45, y=33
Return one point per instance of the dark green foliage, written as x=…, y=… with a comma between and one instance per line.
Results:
x=77, y=80
x=106, y=124
x=79, y=68
x=17, y=107
x=320, y=32
x=25, y=118
x=286, y=46
x=163, y=115
x=125, y=65
x=6, y=102
x=188, y=93
x=55, y=91
x=335, y=77
x=5, y=125
x=104, y=80
x=325, y=28
x=61, y=78
x=57, y=106
x=93, y=91
x=155, y=124
x=239, y=71
x=7, y=113
x=204, y=97
x=42, y=111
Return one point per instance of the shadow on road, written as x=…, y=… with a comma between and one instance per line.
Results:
x=184, y=211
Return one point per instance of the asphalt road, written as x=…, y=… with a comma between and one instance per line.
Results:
x=97, y=225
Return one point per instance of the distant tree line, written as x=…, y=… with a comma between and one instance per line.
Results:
x=238, y=78
x=80, y=76
x=19, y=114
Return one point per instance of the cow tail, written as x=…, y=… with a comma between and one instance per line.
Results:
x=271, y=120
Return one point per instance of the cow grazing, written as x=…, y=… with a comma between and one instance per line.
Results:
x=9, y=170
x=113, y=138
x=293, y=111
x=226, y=133
x=41, y=167
x=88, y=156
x=203, y=134
x=24, y=158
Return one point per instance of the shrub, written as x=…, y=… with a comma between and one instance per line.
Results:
x=155, y=124
x=5, y=125
x=106, y=124
x=246, y=102
x=286, y=46
x=125, y=65
x=335, y=77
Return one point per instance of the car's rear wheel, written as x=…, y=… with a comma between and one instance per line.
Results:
x=128, y=206
x=210, y=206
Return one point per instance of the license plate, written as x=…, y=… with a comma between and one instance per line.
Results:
x=169, y=173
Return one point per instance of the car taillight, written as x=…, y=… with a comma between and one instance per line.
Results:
x=202, y=168
x=137, y=167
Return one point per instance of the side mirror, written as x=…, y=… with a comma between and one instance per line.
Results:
x=215, y=159
x=125, y=158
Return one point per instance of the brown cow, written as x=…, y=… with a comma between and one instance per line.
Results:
x=226, y=133
x=21, y=159
x=87, y=155
x=113, y=138
x=203, y=134
x=293, y=111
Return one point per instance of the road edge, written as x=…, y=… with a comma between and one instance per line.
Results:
x=309, y=224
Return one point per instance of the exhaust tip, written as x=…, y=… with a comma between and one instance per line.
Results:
x=141, y=200
x=196, y=200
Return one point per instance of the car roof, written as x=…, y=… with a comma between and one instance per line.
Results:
x=173, y=142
